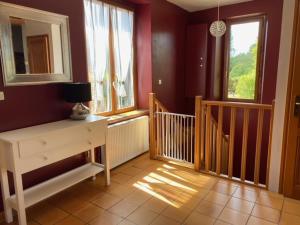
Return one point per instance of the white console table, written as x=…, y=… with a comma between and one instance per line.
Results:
x=31, y=148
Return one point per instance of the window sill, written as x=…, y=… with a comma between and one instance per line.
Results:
x=127, y=116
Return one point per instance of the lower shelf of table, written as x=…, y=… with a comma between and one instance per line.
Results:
x=53, y=186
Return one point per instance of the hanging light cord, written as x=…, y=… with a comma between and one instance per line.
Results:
x=218, y=10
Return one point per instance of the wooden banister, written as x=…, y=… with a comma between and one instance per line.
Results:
x=270, y=143
x=208, y=139
x=152, y=125
x=245, y=143
x=198, y=125
x=219, y=139
x=231, y=141
x=243, y=105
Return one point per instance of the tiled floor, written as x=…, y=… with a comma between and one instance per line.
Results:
x=152, y=192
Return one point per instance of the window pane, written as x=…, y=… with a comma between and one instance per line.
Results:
x=243, y=60
x=97, y=42
x=122, y=22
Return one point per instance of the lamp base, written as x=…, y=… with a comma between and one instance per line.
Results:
x=80, y=112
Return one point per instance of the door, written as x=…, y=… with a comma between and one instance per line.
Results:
x=39, y=54
x=196, y=60
x=291, y=167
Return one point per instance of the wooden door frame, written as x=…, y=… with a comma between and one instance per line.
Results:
x=296, y=29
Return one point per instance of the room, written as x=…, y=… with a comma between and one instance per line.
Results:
x=149, y=112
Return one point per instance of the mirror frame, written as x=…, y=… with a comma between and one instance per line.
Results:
x=10, y=77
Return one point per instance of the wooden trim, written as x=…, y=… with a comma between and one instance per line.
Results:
x=198, y=125
x=270, y=144
x=245, y=143
x=260, y=55
x=258, y=145
x=231, y=141
x=152, y=97
x=219, y=139
x=208, y=139
x=238, y=105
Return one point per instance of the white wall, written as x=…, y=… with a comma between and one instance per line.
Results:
x=281, y=92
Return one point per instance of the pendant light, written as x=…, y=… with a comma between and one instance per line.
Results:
x=218, y=28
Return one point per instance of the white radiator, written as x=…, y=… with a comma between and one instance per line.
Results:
x=127, y=140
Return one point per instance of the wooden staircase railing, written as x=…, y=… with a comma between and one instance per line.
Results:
x=213, y=150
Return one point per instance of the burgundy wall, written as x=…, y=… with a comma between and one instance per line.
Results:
x=273, y=11
x=144, y=62
x=168, y=53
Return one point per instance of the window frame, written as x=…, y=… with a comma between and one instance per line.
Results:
x=261, y=18
x=114, y=103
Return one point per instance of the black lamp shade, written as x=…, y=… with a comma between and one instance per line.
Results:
x=77, y=92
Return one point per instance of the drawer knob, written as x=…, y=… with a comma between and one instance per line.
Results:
x=44, y=142
x=45, y=157
x=89, y=129
x=89, y=142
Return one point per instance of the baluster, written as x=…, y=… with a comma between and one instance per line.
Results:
x=258, y=144
x=219, y=139
x=231, y=141
x=208, y=139
x=245, y=143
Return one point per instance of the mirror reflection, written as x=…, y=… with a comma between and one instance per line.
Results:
x=37, y=47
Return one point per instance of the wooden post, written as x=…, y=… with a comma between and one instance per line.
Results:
x=245, y=143
x=208, y=139
x=198, y=125
x=152, y=97
x=219, y=140
x=258, y=145
x=231, y=141
x=270, y=143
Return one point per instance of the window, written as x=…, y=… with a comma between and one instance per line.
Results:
x=244, y=51
x=109, y=40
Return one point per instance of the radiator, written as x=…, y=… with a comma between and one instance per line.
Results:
x=126, y=140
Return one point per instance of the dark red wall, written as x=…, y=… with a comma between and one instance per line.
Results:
x=168, y=53
x=273, y=10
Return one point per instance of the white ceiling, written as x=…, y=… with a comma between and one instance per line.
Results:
x=196, y=5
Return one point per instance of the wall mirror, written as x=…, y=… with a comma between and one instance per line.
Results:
x=35, y=46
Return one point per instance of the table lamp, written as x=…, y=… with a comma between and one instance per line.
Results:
x=78, y=93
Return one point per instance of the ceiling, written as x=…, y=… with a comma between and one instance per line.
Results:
x=196, y=5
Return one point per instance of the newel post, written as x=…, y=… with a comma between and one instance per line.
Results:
x=152, y=97
x=198, y=110
x=270, y=144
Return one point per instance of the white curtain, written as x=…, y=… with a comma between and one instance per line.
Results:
x=122, y=23
x=97, y=43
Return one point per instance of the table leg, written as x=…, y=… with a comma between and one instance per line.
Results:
x=106, y=166
x=6, y=195
x=20, y=198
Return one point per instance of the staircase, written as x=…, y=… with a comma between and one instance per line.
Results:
x=209, y=140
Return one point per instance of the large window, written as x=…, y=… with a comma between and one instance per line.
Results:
x=244, y=51
x=109, y=39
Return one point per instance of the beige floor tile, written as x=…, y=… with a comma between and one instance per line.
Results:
x=138, y=197
x=120, y=178
x=88, y=213
x=126, y=222
x=289, y=219
x=70, y=220
x=131, y=171
x=46, y=214
x=220, y=222
x=106, y=218
x=142, y=216
x=257, y=221
x=270, y=201
x=266, y=213
x=123, y=208
x=245, y=194
x=106, y=201
x=241, y=205
x=209, y=209
x=199, y=219
x=162, y=220
x=233, y=217
x=217, y=198
x=291, y=206
x=156, y=205
x=225, y=188
x=177, y=214
x=122, y=191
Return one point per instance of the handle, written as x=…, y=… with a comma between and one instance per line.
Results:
x=297, y=106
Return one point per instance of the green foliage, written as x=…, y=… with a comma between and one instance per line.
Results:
x=242, y=74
